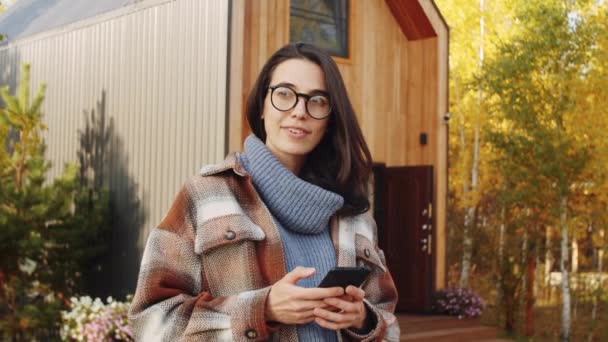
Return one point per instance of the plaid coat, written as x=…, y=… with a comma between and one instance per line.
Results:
x=208, y=266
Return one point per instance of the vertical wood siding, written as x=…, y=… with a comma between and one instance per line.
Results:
x=156, y=71
x=397, y=86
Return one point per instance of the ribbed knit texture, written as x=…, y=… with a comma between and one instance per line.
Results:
x=301, y=211
x=301, y=206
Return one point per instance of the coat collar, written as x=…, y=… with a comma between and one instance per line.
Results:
x=230, y=163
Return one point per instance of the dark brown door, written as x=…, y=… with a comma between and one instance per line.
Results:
x=404, y=214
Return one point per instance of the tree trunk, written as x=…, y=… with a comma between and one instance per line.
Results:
x=574, y=267
x=600, y=278
x=599, y=286
x=600, y=270
x=469, y=220
x=548, y=262
x=523, y=263
x=501, y=247
x=537, y=272
x=467, y=247
x=510, y=308
x=563, y=208
x=530, y=270
x=574, y=277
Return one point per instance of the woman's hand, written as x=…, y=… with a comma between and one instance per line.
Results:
x=351, y=314
x=288, y=303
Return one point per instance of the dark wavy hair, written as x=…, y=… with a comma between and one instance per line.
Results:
x=341, y=163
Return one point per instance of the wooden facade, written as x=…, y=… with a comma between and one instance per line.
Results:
x=396, y=76
x=171, y=77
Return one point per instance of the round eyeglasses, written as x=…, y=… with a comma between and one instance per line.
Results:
x=284, y=99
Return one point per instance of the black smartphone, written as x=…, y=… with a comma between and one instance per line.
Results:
x=344, y=276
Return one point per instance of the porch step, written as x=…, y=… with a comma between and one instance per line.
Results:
x=453, y=335
x=444, y=329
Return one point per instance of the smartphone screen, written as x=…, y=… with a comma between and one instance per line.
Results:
x=344, y=276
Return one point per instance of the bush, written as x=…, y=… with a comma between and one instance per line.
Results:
x=91, y=320
x=51, y=232
x=458, y=302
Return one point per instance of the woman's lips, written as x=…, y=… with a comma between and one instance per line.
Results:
x=296, y=132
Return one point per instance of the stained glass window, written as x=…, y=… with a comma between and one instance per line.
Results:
x=320, y=22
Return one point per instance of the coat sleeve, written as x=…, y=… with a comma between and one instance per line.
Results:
x=380, y=301
x=170, y=303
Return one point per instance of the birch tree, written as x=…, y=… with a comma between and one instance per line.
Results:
x=470, y=32
x=532, y=78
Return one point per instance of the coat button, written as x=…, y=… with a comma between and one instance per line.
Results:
x=251, y=334
x=230, y=235
x=366, y=252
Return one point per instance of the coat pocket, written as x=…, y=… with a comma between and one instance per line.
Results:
x=226, y=230
x=227, y=246
x=367, y=255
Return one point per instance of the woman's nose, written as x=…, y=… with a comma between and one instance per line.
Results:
x=300, y=109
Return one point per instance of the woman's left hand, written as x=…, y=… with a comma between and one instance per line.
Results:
x=352, y=312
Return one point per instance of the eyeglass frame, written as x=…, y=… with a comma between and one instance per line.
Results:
x=298, y=95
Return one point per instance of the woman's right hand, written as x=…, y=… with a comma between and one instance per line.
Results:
x=288, y=303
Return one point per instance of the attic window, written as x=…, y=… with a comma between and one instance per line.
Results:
x=320, y=22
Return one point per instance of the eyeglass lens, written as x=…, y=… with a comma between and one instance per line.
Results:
x=284, y=99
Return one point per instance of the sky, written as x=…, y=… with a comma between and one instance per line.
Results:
x=27, y=17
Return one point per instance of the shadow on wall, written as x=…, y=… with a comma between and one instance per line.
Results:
x=104, y=163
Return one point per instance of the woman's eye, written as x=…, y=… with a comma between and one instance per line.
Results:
x=284, y=92
x=319, y=100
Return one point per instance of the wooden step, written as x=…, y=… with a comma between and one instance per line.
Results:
x=479, y=333
x=444, y=329
x=414, y=323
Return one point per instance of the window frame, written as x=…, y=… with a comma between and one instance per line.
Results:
x=349, y=33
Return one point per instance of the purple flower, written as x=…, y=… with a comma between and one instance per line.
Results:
x=458, y=302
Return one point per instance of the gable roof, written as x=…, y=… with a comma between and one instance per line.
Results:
x=28, y=17
x=414, y=20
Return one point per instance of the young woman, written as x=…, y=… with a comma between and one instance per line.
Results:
x=240, y=254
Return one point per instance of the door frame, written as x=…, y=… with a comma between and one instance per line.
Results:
x=380, y=172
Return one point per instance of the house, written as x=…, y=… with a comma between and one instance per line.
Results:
x=164, y=82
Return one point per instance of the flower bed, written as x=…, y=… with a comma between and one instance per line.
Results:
x=92, y=320
x=458, y=302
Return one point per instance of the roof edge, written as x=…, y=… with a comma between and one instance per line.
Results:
x=112, y=14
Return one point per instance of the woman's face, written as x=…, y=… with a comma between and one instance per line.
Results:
x=291, y=135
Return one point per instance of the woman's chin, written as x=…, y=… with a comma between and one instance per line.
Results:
x=299, y=151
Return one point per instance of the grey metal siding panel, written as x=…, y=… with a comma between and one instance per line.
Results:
x=162, y=68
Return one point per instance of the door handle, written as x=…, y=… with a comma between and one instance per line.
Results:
x=427, y=244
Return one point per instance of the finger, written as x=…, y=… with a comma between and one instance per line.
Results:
x=347, y=298
x=319, y=292
x=331, y=308
x=298, y=273
x=330, y=325
x=307, y=305
x=356, y=292
x=343, y=305
x=304, y=317
x=335, y=317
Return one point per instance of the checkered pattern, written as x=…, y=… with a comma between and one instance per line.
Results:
x=208, y=266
